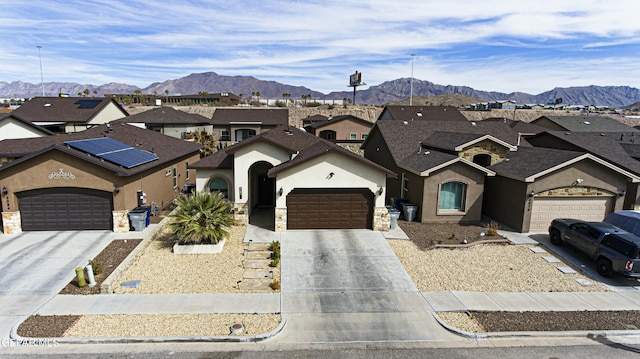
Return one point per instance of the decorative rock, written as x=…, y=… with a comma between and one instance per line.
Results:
x=199, y=248
x=567, y=270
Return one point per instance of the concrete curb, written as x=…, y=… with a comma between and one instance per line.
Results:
x=553, y=334
x=125, y=340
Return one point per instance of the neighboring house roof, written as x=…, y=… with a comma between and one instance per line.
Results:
x=583, y=124
x=404, y=139
x=314, y=118
x=424, y=163
x=165, y=147
x=618, y=148
x=519, y=126
x=432, y=113
x=5, y=118
x=64, y=109
x=273, y=117
x=165, y=115
x=304, y=145
x=520, y=165
x=456, y=141
x=332, y=120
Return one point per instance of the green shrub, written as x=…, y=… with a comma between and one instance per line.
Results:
x=274, y=262
x=202, y=217
x=274, y=247
x=95, y=266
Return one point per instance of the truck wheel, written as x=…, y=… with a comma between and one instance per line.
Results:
x=604, y=267
x=554, y=235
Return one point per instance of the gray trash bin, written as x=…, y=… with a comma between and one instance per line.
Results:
x=394, y=214
x=138, y=218
x=409, y=211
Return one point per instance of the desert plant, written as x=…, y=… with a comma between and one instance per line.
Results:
x=202, y=218
x=492, y=228
x=95, y=266
x=274, y=247
x=274, y=262
x=275, y=284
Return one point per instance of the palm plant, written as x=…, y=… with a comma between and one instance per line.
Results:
x=202, y=218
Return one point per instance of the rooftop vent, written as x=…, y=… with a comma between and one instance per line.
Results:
x=587, y=122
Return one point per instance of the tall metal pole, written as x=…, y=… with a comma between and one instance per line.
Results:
x=411, y=95
x=41, y=77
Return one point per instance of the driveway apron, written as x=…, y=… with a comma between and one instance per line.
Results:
x=35, y=266
x=348, y=285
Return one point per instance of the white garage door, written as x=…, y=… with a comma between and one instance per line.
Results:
x=545, y=209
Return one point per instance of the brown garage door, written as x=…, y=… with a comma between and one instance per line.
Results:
x=329, y=209
x=545, y=209
x=63, y=209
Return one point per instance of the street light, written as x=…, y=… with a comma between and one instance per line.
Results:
x=41, y=77
x=411, y=95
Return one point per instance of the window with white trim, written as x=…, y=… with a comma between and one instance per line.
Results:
x=175, y=177
x=452, y=196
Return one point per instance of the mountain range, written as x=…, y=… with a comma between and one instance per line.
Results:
x=388, y=91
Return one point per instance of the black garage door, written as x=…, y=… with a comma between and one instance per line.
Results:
x=329, y=209
x=63, y=209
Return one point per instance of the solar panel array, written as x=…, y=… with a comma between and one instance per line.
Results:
x=87, y=104
x=113, y=151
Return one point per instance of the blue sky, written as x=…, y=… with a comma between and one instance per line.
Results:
x=492, y=45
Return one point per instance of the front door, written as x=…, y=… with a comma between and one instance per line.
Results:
x=266, y=191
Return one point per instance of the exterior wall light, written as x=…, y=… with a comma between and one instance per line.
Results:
x=280, y=192
x=116, y=189
x=4, y=190
x=380, y=191
x=532, y=194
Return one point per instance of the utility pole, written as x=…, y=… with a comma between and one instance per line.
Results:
x=411, y=95
x=41, y=77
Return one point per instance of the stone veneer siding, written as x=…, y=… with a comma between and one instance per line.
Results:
x=11, y=222
x=381, y=219
x=497, y=152
x=241, y=213
x=121, y=221
x=574, y=191
x=281, y=220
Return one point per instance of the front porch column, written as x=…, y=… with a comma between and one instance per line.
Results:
x=11, y=222
x=241, y=213
x=281, y=220
x=381, y=219
x=120, y=221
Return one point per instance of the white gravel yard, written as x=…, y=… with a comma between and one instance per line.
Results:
x=486, y=268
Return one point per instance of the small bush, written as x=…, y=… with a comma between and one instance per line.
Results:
x=96, y=267
x=274, y=262
x=275, y=284
x=492, y=228
x=274, y=247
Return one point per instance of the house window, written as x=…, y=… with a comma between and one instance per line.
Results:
x=452, y=195
x=187, y=172
x=225, y=135
x=364, y=136
x=482, y=159
x=175, y=177
x=405, y=184
x=353, y=136
x=219, y=185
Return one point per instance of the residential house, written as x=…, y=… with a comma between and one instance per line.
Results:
x=13, y=126
x=341, y=129
x=171, y=122
x=457, y=171
x=69, y=114
x=231, y=125
x=90, y=179
x=582, y=124
x=300, y=181
x=411, y=113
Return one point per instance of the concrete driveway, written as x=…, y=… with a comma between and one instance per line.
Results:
x=616, y=282
x=35, y=266
x=348, y=285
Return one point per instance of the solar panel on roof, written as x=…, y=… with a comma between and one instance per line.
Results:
x=87, y=104
x=113, y=151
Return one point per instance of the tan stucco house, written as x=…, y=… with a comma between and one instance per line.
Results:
x=339, y=129
x=171, y=122
x=302, y=181
x=90, y=179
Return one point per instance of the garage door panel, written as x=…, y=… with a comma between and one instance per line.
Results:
x=329, y=209
x=546, y=209
x=59, y=209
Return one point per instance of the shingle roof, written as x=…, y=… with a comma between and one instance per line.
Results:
x=529, y=161
x=295, y=141
x=608, y=146
x=226, y=116
x=331, y=120
x=446, y=140
x=519, y=126
x=166, y=115
x=404, y=139
x=432, y=113
x=64, y=109
x=588, y=123
x=165, y=147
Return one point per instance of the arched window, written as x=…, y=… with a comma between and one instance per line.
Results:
x=452, y=196
x=482, y=159
x=219, y=185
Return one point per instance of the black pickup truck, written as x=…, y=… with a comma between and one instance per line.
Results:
x=613, y=249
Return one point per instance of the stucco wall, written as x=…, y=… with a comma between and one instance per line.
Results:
x=245, y=157
x=13, y=129
x=344, y=128
x=457, y=172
